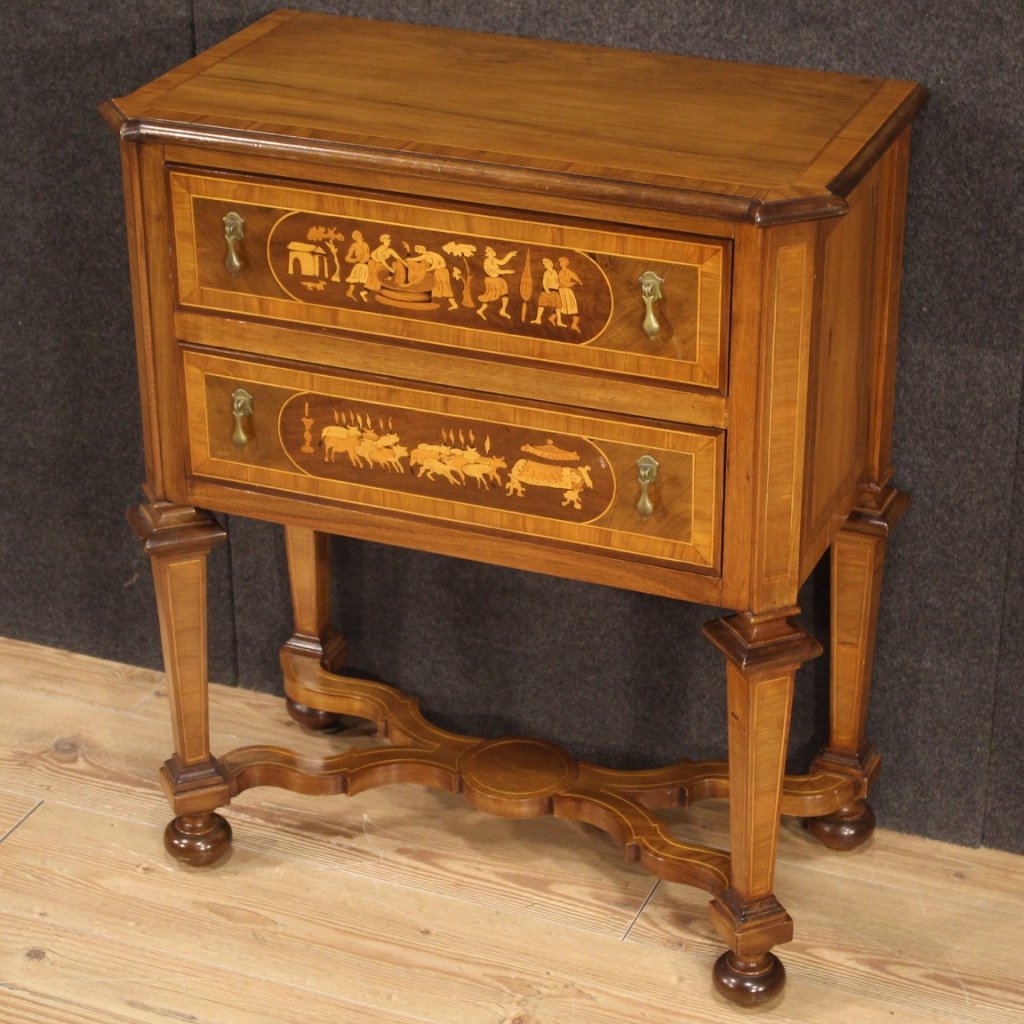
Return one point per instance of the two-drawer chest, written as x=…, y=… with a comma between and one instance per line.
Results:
x=624, y=318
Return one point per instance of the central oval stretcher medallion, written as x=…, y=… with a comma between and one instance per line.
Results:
x=517, y=768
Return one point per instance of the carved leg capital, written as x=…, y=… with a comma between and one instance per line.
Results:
x=758, y=643
x=878, y=510
x=170, y=530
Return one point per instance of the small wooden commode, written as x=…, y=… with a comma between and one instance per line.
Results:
x=613, y=316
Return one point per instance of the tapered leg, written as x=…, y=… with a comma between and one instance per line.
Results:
x=858, y=555
x=309, y=570
x=762, y=656
x=178, y=540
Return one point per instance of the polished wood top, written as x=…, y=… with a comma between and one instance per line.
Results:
x=742, y=141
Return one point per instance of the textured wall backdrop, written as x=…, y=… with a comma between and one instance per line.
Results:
x=623, y=678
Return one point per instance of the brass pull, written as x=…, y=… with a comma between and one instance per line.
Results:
x=234, y=232
x=650, y=289
x=647, y=465
x=241, y=406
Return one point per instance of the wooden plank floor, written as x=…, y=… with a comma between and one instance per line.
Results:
x=403, y=906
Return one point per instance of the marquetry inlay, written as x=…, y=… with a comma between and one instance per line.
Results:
x=619, y=317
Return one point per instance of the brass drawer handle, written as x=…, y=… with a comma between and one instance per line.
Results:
x=241, y=406
x=647, y=466
x=234, y=232
x=650, y=289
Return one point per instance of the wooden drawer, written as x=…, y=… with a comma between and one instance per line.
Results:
x=491, y=464
x=519, y=289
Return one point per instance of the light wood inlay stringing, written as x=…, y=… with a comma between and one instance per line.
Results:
x=635, y=326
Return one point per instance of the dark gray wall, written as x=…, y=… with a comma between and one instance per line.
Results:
x=620, y=677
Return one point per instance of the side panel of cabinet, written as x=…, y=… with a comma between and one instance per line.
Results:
x=153, y=303
x=774, y=300
x=853, y=361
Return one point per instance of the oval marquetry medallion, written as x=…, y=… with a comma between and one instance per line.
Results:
x=477, y=462
x=504, y=285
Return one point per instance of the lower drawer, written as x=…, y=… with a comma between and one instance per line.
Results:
x=492, y=464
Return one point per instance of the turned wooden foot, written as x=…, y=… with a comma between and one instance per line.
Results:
x=198, y=839
x=749, y=980
x=846, y=829
x=314, y=719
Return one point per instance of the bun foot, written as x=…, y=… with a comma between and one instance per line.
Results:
x=311, y=718
x=198, y=839
x=749, y=980
x=846, y=829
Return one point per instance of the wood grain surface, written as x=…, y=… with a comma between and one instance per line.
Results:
x=571, y=483
x=597, y=511
x=301, y=248
x=692, y=125
x=403, y=905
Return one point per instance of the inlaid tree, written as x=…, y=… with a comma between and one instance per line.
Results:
x=329, y=237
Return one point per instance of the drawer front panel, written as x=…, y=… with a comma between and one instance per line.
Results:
x=517, y=288
x=494, y=465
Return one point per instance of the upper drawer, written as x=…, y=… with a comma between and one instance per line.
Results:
x=518, y=288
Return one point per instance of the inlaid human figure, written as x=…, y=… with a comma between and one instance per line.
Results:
x=434, y=261
x=359, y=256
x=495, y=285
x=382, y=258
x=567, y=280
x=549, y=298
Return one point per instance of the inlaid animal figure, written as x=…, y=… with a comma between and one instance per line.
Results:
x=486, y=469
x=429, y=457
x=458, y=459
x=371, y=442
x=423, y=452
x=390, y=458
x=432, y=467
x=336, y=439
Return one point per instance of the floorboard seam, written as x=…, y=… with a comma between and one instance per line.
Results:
x=642, y=908
x=21, y=821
